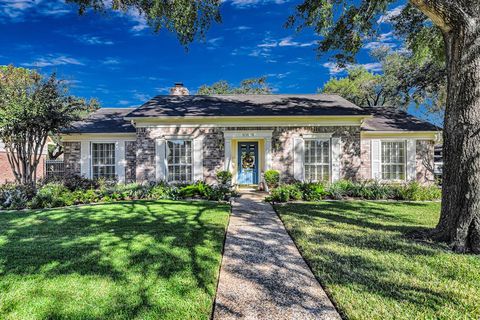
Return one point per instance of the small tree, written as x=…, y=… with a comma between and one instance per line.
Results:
x=247, y=86
x=33, y=107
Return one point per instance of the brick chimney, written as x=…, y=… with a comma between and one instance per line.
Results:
x=179, y=90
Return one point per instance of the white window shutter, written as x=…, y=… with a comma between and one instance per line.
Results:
x=376, y=159
x=198, y=159
x=336, y=158
x=298, y=158
x=160, y=160
x=85, y=159
x=120, y=160
x=411, y=159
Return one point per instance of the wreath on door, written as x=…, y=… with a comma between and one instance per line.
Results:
x=248, y=161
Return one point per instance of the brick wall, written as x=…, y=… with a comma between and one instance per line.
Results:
x=213, y=148
x=365, y=159
x=283, y=149
x=130, y=161
x=72, y=156
x=6, y=173
x=213, y=153
x=424, y=161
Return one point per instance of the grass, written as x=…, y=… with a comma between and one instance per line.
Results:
x=358, y=250
x=130, y=260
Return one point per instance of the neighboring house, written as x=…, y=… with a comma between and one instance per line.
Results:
x=180, y=138
x=6, y=173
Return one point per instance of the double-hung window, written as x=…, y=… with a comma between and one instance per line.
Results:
x=179, y=161
x=393, y=160
x=103, y=160
x=317, y=160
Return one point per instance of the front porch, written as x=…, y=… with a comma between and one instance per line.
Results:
x=248, y=154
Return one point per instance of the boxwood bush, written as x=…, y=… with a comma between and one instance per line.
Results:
x=344, y=189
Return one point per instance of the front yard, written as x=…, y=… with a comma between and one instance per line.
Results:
x=128, y=260
x=358, y=251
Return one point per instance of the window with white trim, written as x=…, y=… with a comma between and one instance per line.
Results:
x=103, y=160
x=317, y=160
x=179, y=161
x=393, y=160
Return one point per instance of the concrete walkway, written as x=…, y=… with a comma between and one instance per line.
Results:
x=263, y=276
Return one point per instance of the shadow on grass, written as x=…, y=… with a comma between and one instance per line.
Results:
x=362, y=245
x=139, y=246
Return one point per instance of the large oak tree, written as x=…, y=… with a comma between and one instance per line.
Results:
x=344, y=24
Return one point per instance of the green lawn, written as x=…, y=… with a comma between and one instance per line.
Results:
x=130, y=260
x=371, y=270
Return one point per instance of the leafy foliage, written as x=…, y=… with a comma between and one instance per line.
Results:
x=403, y=80
x=32, y=108
x=342, y=189
x=247, y=86
x=272, y=178
x=78, y=190
x=187, y=19
x=224, y=177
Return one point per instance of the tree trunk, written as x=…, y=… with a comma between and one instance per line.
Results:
x=459, y=223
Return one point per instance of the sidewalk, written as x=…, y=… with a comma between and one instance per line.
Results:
x=263, y=276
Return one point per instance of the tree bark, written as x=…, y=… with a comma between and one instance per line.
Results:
x=459, y=223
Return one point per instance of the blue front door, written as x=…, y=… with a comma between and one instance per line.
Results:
x=247, y=163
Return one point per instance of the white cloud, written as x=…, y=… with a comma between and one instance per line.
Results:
x=335, y=69
x=53, y=60
x=240, y=28
x=285, y=42
x=123, y=102
x=372, y=67
x=111, y=61
x=268, y=44
x=390, y=14
x=16, y=10
x=383, y=40
x=278, y=75
x=94, y=40
x=253, y=3
x=214, y=43
x=140, y=23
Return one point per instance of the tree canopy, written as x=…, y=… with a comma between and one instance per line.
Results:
x=32, y=107
x=188, y=19
x=247, y=86
x=402, y=81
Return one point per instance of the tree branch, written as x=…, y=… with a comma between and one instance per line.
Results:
x=443, y=13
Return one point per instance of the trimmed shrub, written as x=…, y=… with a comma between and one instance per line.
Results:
x=52, y=195
x=312, y=191
x=368, y=190
x=272, y=178
x=224, y=177
x=285, y=193
x=280, y=194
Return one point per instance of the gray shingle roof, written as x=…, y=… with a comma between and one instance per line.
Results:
x=104, y=120
x=390, y=119
x=247, y=105
x=112, y=120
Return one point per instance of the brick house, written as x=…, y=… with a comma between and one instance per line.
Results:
x=6, y=173
x=181, y=137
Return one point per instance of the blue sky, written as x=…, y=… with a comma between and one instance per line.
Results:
x=117, y=59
